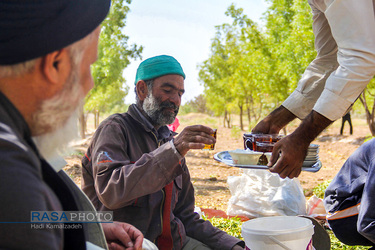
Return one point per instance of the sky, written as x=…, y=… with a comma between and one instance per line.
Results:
x=182, y=29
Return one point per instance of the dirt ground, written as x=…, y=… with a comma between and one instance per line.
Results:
x=209, y=177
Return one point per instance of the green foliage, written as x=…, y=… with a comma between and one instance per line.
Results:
x=193, y=119
x=321, y=188
x=368, y=138
x=231, y=226
x=198, y=105
x=119, y=108
x=254, y=69
x=368, y=102
x=77, y=153
x=114, y=54
x=235, y=132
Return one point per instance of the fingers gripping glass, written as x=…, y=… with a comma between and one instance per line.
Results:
x=210, y=146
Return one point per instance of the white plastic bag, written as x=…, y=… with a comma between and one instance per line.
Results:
x=315, y=208
x=258, y=193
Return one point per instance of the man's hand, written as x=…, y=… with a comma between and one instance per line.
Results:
x=121, y=235
x=193, y=137
x=274, y=122
x=289, y=153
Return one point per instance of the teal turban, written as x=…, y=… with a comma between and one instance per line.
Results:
x=158, y=66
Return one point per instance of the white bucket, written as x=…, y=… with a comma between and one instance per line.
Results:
x=278, y=233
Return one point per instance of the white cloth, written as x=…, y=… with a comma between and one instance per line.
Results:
x=345, y=42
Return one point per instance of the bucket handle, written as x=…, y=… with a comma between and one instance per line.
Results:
x=278, y=242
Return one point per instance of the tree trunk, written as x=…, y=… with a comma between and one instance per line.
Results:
x=225, y=117
x=369, y=115
x=82, y=123
x=96, y=118
x=241, y=114
x=248, y=111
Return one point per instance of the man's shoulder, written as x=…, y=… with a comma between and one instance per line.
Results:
x=117, y=118
x=12, y=141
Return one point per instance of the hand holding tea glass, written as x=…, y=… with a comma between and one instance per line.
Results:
x=194, y=137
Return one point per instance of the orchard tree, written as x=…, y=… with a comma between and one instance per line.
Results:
x=367, y=98
x=114, y=56
x=231, y=75
x=290, y=43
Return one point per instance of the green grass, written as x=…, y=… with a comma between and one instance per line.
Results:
x=337, y=245
x=231, y=226
x=320, y=189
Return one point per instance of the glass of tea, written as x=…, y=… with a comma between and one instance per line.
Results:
x=264, y=146
x=210, y=146
x=248, y=139
x=276, y=137
x=261, y=138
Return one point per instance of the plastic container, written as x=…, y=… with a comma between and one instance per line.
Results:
x=278, y=233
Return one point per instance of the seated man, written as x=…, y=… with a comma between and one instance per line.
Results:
x=349, y=199
x=135, y=167
x=46, y=49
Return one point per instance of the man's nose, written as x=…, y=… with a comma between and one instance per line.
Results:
x=175, y=99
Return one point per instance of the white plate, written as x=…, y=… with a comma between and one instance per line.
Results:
x=313, y=146
x=225, y=158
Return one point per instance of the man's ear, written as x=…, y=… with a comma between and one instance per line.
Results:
x=56, y=66
x=142, y=90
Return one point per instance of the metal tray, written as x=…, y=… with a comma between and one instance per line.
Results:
x=225, y=158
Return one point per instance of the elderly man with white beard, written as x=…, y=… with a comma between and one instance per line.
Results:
x=135, y=166
x=46, y=49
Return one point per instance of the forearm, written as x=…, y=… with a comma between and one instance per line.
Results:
x=311, y=127
x=275, y=121
x=131, y=180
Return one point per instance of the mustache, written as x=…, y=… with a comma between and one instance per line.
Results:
x=171, y=105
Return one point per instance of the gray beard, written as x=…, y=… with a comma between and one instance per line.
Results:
x=55, y=123
x=56, y=143
x=154, y=109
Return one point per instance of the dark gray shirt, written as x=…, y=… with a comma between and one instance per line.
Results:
x=28, y=183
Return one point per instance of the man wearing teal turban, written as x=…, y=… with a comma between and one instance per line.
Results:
x=135, y=166
x=158, y=66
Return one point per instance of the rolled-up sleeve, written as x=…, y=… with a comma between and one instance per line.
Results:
x=327, y=87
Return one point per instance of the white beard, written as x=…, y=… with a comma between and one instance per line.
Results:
x=56, y=143
x=55, y=123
